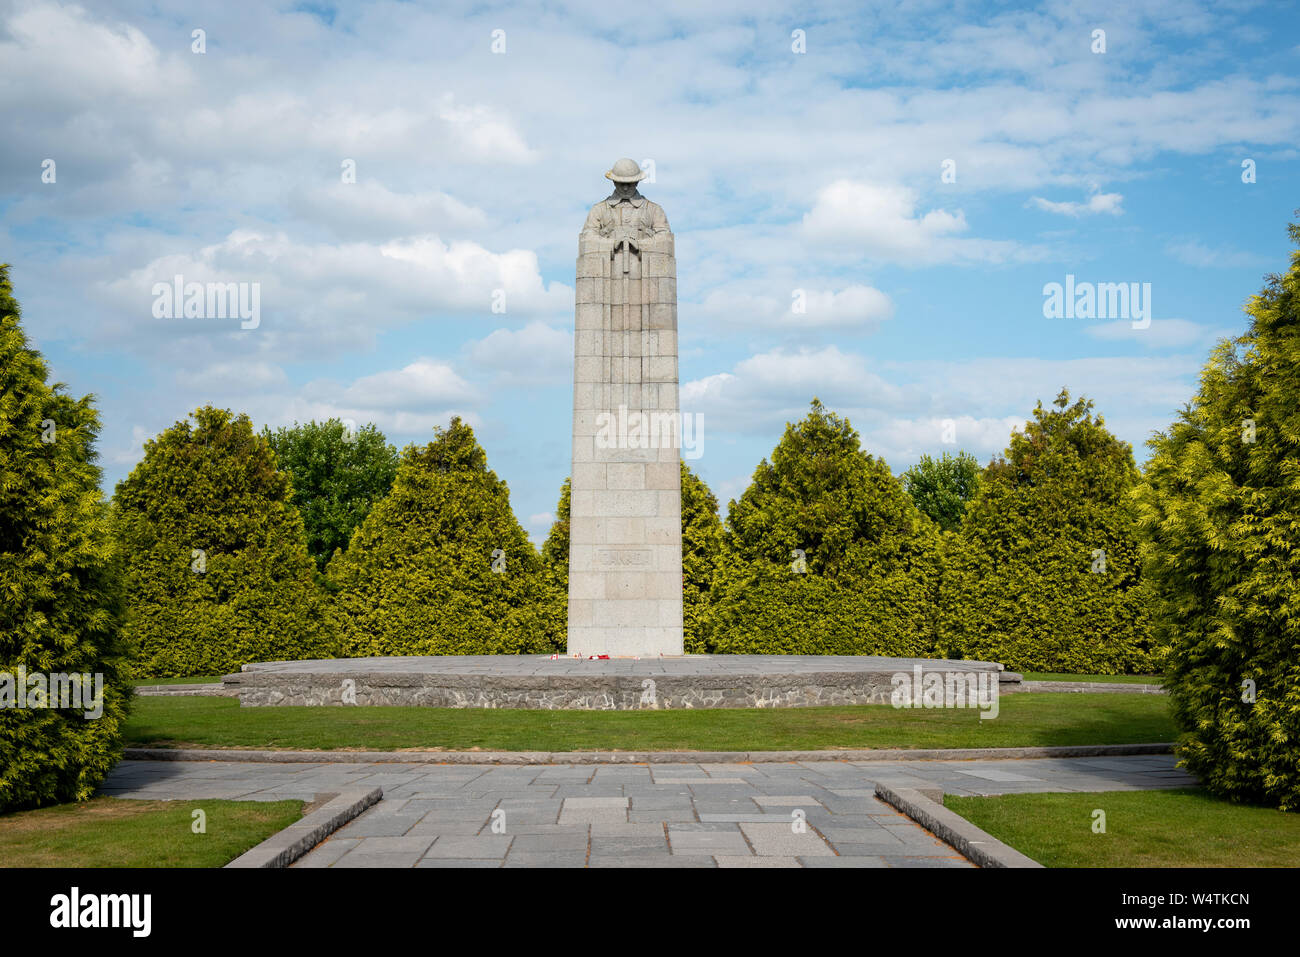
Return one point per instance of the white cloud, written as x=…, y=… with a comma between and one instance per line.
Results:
x=57, y=56
x=764, y=388
x=1193, y=252
x=408, y=401
x=422, y=384
x=853, y=306
x=536, y=354
x=321, y=299
x=229, y=376
x=538, y=527
x=829, y=368
x=901, y=407
x=882, y=221
x=484, y=134
x=368, y=209
x=1109, y=203
x=132, y=453
x=1161, y=334
x=904, y=440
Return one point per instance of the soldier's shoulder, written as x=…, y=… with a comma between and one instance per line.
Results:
x=657, y=214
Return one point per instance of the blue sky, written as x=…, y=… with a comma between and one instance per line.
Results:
x=819, y=171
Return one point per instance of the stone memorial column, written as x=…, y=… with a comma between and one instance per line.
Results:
x=625, y=526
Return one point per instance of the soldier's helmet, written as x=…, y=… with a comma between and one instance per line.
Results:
x=626, y=171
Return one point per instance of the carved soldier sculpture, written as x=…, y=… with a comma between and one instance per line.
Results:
x=625, y=213
x=625, y=549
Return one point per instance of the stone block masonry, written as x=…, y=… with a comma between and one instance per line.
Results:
x=625, y=550
x=523, y=681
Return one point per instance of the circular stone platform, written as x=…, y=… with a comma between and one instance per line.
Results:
x=624, y=684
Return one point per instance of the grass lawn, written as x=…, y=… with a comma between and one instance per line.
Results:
x=1061, y=676
x=202, y=680
x=1183, y=827
x=112, y=832
x=1024, y=720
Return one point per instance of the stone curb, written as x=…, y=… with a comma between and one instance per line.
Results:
x=285, y=847
x=206, y=690
x=1011, y=681
x=1086, y=687
x=637, y=757
x=977, y=846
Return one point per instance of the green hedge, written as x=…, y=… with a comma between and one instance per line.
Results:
x=768, y=612
x=1042, y=609
x=60, y=598
x=218, y=572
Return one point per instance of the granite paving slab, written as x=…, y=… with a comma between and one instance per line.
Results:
x=445, y=815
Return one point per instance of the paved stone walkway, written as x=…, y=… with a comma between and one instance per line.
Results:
x=668, y=815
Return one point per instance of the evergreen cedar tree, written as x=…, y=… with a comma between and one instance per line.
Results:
x=60, y=599
x=555, y=550
x=1043, y=572
x=1220, y=515
x=217, y=570
x=824, y=553
x=702, y=547
x=441, y=566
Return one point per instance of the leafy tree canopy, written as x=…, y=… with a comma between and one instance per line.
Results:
x=338, y=474
x=218, y=570
x=941, y=487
